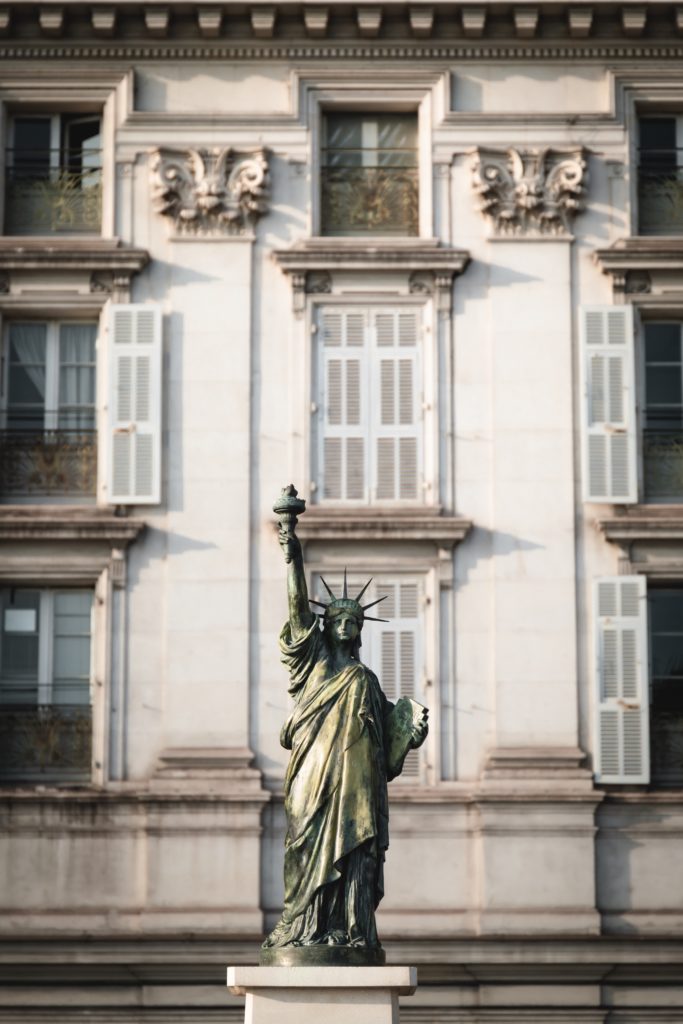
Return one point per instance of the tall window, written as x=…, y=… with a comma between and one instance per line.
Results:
x=393, y=649
x=663, y=420
x=660, y=175
x=45, y=706
x=369, y=174
x=48, y=409
x=666, y=685
x=369, y=406
x=53, y=174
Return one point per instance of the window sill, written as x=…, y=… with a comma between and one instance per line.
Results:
x=74, y=252
x=383, y=524
x=643, y=523
x=377, y=253
x=67, y=523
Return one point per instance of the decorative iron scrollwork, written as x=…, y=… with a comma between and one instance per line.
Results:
x=210, y=191
x=531, y=191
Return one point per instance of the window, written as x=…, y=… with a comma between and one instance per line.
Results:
x=660, y=175
x=369, y=174
x=639, y=700
x=665, y=608
x=49, y=443
x=393, y=649
x=368, y=406
x=663, y=412
x=45, y=700
x=53, y=174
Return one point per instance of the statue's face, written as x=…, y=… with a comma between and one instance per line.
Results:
x=344, y=628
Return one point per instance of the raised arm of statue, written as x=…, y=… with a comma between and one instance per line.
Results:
x=289, y=506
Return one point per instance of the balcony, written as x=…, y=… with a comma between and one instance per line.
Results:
x=660, y=197
x=48, y=463
x=56, y=193
x=45, y=743
x=369, y=200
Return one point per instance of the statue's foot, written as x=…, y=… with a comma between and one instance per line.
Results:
x=337, y=938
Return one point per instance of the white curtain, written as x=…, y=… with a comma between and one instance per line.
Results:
x=27, y=375
x=77, y=376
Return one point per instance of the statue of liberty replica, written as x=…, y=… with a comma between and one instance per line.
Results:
x=347, y=741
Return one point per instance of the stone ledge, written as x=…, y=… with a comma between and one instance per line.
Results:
x=77, y=253
x=442, y=530
x=62, y=522
x=371, y=254
x=642, y=253
x=643, y=522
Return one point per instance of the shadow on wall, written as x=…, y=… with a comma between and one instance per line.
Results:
x=622, y=887
x=483, y=544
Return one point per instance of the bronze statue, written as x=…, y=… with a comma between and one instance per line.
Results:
x=347, y=741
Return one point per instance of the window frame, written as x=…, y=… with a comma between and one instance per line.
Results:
x=651, y=588
x=62, y=92
x=425, y=573
x=426, y=360
x=652, y=316
x=83, y=573
x=396, y=97
x=51, y=407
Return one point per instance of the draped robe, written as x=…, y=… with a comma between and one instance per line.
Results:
x=335, y=797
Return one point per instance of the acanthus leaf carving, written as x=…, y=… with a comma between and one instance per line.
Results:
x=534, y=192
x=210, y=191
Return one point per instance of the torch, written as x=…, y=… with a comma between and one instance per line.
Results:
x=288, y=507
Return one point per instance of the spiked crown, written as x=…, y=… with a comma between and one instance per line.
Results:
x=349, y=604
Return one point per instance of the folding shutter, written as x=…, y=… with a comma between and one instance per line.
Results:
x=134, y=462
x=399, y=663
x=609, y=406
x=397, y=406
x=342, y=404
x=622, y=699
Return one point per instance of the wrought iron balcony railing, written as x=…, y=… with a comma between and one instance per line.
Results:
x=45, y=743
x=663, y=464
x=660, y=196
x=370, y=200
x=40, y=199
x=48, y=463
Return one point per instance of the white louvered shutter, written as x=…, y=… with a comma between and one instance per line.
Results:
x=622, y=699
x=134, y=457
x=609, y=405
x=342, y=404
x=400, y=663
x=396, y=406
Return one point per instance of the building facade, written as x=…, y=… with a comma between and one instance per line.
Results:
x=424, y=260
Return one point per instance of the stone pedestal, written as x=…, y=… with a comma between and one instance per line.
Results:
x=322, y=995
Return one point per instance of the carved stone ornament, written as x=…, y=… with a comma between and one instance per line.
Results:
x=213, y=191
x=534, y=192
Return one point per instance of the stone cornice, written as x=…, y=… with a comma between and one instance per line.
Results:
x=371, y=254
x=644, y=523
x=597, y=24
x=65, y=523
x=641, y=253
x=442, y=530
x=60, y=254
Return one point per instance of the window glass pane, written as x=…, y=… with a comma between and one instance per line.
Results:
x=657, y=135
x=71, y=652
x=666, y=713
x=31, y=153
x=369, y=174
x=663, y=385
x=81, y=144
x=663, y=343
x=19, y=645
x=77, y=376
x=26, y=376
